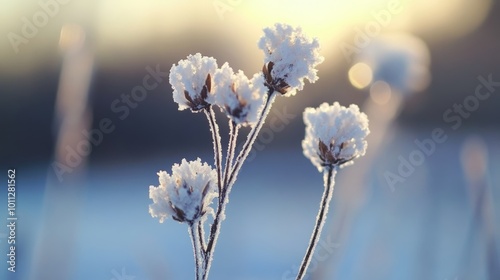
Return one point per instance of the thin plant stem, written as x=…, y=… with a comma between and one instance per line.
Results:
x=328, y=178
x=196, y=250
x=233, y=137
x=214, y=128
x=219, y=216
x=252, y=135
x=201, y=236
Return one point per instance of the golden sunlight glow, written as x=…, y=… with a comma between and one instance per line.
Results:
x=71, y=36
x=328, y=20
x=445, y=19
x=131, y=23
x=128, y=25
x=360, y=75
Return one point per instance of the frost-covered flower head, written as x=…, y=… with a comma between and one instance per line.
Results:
x=242, y=99
x=191, y=80
x=185, y=195
x=334, y=134
x=290, y=57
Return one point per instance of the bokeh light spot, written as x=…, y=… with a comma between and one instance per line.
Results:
x=380, y=92
x=360, y=75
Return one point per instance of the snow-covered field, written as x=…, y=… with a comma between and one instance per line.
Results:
x=421, y=229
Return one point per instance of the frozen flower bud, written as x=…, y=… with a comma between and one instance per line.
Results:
x=290, y=57
x=242, y=99
x=185, y=195
x=191, y=80
x=334, y=134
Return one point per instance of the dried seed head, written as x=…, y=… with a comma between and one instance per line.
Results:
x=290, y=57
x=242, y=99
x=335, y=135
x=191, y=80
x=185, y=195
x=277, y=84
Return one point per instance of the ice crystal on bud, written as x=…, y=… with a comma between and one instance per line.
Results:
x=290, y=57
x=334, y=134
x=242, y=99
x=185, y=195
x=191, y=80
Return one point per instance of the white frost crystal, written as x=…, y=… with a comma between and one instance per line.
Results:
x=334, y=134
x=191, y=80
x=290, y=57
x=242, y=99
x=185, y=195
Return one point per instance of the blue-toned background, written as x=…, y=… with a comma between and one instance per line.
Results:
x=85, y=216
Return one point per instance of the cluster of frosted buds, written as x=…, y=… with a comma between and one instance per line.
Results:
x=191, y=80
x=199, y=84
x=290, y=57
x=185, y=195
x=335, y=135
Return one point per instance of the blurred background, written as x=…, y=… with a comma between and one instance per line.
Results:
x=87, y=120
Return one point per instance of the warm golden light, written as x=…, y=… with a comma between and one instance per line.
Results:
x=72, y=36
x=130, y=25
x=444, y=19
x=360, y=75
